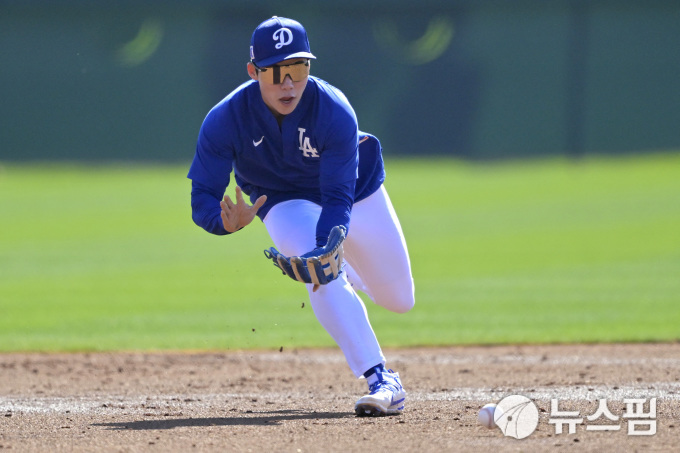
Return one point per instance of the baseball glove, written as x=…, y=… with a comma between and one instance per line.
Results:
x=320, y=266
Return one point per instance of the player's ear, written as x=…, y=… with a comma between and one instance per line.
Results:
x=252, y=71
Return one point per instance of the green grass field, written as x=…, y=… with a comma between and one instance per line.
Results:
x=107, y=258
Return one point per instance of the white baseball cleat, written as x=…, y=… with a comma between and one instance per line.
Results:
x=386, y=397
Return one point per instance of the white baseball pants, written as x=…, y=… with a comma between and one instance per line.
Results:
x=377, y=263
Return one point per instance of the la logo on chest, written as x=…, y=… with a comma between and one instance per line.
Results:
x=305, y=145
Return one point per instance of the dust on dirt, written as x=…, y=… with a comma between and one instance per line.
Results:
x=303, y=400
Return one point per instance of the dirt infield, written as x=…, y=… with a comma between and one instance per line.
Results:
x=302, y=400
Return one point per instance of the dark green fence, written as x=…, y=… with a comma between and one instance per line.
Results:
x=480, y=79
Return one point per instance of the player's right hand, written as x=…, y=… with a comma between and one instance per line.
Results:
x=237, y=215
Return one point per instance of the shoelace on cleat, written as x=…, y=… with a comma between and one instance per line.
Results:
x=390, y=384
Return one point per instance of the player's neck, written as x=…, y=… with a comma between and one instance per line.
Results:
x=279, y=117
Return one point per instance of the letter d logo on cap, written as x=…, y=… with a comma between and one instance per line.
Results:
x=284, y=36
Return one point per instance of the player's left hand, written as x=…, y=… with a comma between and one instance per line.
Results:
x=319, y=267
x=237, y=215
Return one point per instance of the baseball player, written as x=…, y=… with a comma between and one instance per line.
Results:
x=316, y=182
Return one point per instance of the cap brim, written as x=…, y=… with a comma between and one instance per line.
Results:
x=279, y=58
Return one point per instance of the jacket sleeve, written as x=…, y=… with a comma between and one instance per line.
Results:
x=338, y=175
x=205, y=209
x=209, y=174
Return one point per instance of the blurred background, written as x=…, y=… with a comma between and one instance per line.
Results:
x=99, y=80
x=532, y=156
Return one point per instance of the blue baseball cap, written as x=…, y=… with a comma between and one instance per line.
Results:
x=278, y=39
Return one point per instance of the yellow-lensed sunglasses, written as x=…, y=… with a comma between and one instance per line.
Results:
x=277, y=74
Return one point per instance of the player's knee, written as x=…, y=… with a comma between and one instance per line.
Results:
x=404, y=303
x=398, y=300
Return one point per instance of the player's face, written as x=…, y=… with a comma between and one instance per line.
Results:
x=282, y=98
